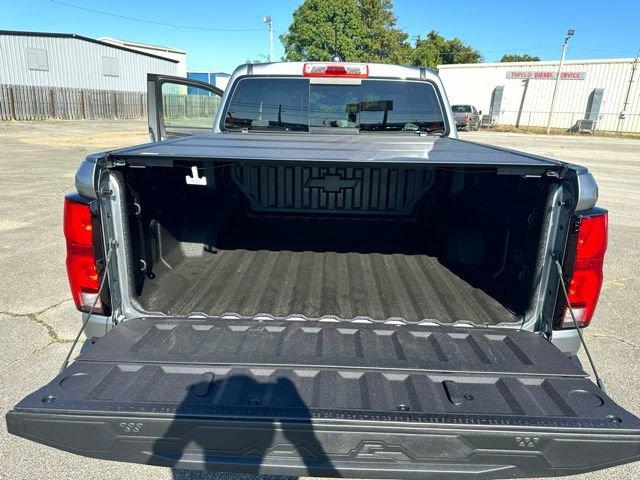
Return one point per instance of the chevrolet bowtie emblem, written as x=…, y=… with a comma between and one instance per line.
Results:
x=331, y=183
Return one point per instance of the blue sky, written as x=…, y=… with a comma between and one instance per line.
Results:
x=604, y=29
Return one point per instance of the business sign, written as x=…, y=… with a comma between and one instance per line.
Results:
x=544, y=75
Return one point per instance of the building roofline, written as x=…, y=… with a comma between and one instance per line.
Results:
x=533, y=64
x=142, y=45
x=208, y=72
x=19, y=33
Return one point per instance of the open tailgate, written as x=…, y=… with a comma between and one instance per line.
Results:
x=330, y=398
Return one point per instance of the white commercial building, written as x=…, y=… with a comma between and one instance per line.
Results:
x=605, y=91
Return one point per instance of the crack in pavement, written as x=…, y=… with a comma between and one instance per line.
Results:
x=53, y=335
x=32, y=352
x=62, y=193
x=39, y=312
x=613, y=337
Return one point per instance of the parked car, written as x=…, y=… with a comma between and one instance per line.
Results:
x=328, y=282
x=467, y=117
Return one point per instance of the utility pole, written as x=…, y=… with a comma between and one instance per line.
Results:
x=267, y=21
x=570, y=33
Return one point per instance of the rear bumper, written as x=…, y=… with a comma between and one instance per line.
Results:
x=567, y=341
x=97, y=325
x=331, y=447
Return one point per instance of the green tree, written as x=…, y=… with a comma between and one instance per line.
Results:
x=434, y=50
x=359, y=30
x=382, y=41
x=320, y=27
x=516, y=57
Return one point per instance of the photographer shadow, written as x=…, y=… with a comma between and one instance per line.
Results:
x=266, y=423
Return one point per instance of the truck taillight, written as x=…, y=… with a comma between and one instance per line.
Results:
x=84, y=279
x=323, y=69
x=586, y=277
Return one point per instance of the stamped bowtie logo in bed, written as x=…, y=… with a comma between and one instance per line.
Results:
x=332, y=183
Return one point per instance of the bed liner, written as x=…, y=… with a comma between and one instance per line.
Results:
x=380, y=286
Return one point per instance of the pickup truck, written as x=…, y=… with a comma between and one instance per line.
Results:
x=310, y=274
x=467, y=117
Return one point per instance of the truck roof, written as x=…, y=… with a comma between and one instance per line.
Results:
x=375, y=70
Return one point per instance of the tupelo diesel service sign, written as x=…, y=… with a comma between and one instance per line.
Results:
x=545, y=75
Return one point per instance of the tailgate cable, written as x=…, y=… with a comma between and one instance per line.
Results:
x=103, y=282
x=575, y=323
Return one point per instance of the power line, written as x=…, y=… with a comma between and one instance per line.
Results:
x=154, y=22
x=214, y=29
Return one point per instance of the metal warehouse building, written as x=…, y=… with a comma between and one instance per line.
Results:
x=61, y=75
x=167, y=52
x=605, y=91
x=73, y=61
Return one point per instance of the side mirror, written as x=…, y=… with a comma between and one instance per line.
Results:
x=479, y=112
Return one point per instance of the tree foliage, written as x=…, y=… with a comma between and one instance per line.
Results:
x=434, y=50
x=359, y=30
x=381, y=41
x=516, y=57
x=365, y=31
x=320, y=27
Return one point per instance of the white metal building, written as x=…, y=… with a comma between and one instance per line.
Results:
x=167, y=52
x=74, y=61
x=606, y=91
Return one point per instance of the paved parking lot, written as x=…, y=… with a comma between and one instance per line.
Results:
x=38, y=320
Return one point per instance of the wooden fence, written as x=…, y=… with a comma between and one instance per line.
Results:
x=26, y=102
x=178, y=106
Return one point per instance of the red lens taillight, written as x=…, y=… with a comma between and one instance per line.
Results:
x=586, y=279
x=84, y=279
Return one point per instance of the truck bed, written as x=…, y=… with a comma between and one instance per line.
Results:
x=346, y=269
x=315, y=284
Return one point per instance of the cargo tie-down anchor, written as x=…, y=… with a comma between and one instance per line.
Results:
x=195, y=179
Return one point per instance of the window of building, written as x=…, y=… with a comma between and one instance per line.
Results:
x=110, y=67
x=37, y=59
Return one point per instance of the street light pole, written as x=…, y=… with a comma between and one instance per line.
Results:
x=267, y=20
x=570, y=33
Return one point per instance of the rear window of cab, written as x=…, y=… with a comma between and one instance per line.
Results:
x=299, y=105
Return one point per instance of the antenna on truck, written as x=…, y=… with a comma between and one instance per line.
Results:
x=336, y=56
